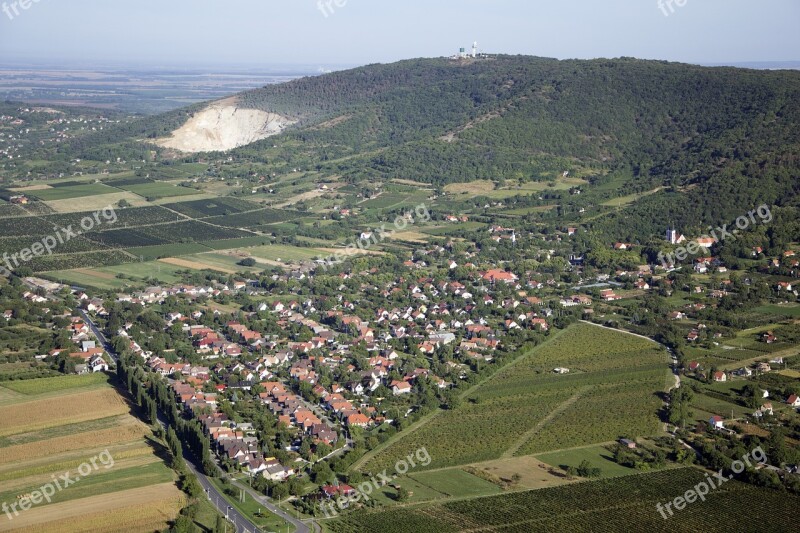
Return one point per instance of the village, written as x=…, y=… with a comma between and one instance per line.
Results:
x=336, y=365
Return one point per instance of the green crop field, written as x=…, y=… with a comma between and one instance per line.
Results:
x=160, y=190
x=228, y=244
x=705, y=406
x=223, y=205
x=169, y=250
x=106, y=277
x=612, y=391
x=278, y=252
x=597, y=456
x=58, y=383
x=456, y=483
x=784, y=310
x=73, y=191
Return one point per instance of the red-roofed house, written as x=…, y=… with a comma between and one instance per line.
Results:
x=495, y=275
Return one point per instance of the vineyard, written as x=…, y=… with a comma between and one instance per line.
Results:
x=223, y=205
x=619, y=504
x=47, y=263
x=124, y=182
x=12, y=245
x=474, y=432
x=33, y=226
x=527, y=409
x=192, y=231
x=126, y=238
x=12, y=210
x=255, y=218
x=160, y=189
x=586, y=348
x=627, y=406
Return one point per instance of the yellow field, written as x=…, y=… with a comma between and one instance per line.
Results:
x=69, y=408
x=534, y=473
x=349, y=251
x=129, y=429
x=50, y=443
x=98, y=201
x=511, y=187
x=473, y=187
x=195, y=265
x=39, y=187
x=411, y=236
x=95, y=273
x=142, y=509
x=182, y=198
x=36, y=480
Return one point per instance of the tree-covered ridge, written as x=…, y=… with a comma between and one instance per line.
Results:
x=697, y=132
x=672, y=124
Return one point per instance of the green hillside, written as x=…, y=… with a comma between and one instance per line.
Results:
x=679, y=133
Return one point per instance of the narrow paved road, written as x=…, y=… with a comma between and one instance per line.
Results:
x=99, y=334
x=243, y=525
x=300, y=526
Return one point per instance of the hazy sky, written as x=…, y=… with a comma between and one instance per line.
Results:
x=270, y=33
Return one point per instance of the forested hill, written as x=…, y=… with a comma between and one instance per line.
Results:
x=723, y=133
x=719, y=140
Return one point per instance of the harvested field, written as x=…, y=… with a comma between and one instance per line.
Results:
x=39, y=187
x=45, y=477
x=131, y=429
x=70, y=461
x=350, y=251
x=39, y=414
x=92, y=203
x=473, y=187
x=310, y=195
x=94, y=273
x=534, y=473
x=411, y=236
x=142, y=509
x=194, y=265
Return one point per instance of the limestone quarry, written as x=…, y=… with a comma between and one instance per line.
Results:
x=224, y=126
